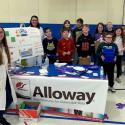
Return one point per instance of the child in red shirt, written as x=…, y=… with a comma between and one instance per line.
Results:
x=65, y=48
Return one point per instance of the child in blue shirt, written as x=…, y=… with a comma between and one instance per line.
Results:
x=107, y=53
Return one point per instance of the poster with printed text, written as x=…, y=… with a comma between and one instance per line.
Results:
x=24, y=42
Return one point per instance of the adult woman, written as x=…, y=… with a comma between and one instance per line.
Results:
x=34, y=22
x=98, y=38
x=7, y=93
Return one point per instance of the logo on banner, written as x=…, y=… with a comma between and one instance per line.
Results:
x=22, y=88
x=21, y=32
x=20, y=85
x=49, y=93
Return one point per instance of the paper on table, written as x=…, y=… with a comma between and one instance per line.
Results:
x=95, y=74
x=30, y=72
x=69, y=66
x=89, y=71
x=60, y=64
x=78, y=68
x=43, y=71
x=71, y=73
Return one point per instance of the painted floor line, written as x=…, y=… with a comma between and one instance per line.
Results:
x=77, y=119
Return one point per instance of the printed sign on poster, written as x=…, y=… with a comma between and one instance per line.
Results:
x=24, y=42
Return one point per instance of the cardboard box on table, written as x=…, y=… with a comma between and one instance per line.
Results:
x=27, y=114
x=84, y=61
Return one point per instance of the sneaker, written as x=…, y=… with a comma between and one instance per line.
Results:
x=112, y=90
x=3, y=121
x=118, y=80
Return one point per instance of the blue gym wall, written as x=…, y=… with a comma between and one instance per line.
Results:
x=55, y=27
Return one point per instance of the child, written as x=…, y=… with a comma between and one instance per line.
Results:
x=109, y=27
x=67, y=25
x=50, y=46
x=85, y=43
x=108, y=51
x=123, y=28
x=65, y=48
x=118, y=40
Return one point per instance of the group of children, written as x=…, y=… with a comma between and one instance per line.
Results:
x=104, y=48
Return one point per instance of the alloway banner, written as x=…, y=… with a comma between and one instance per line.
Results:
x=82, y=94
x=24, y=42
